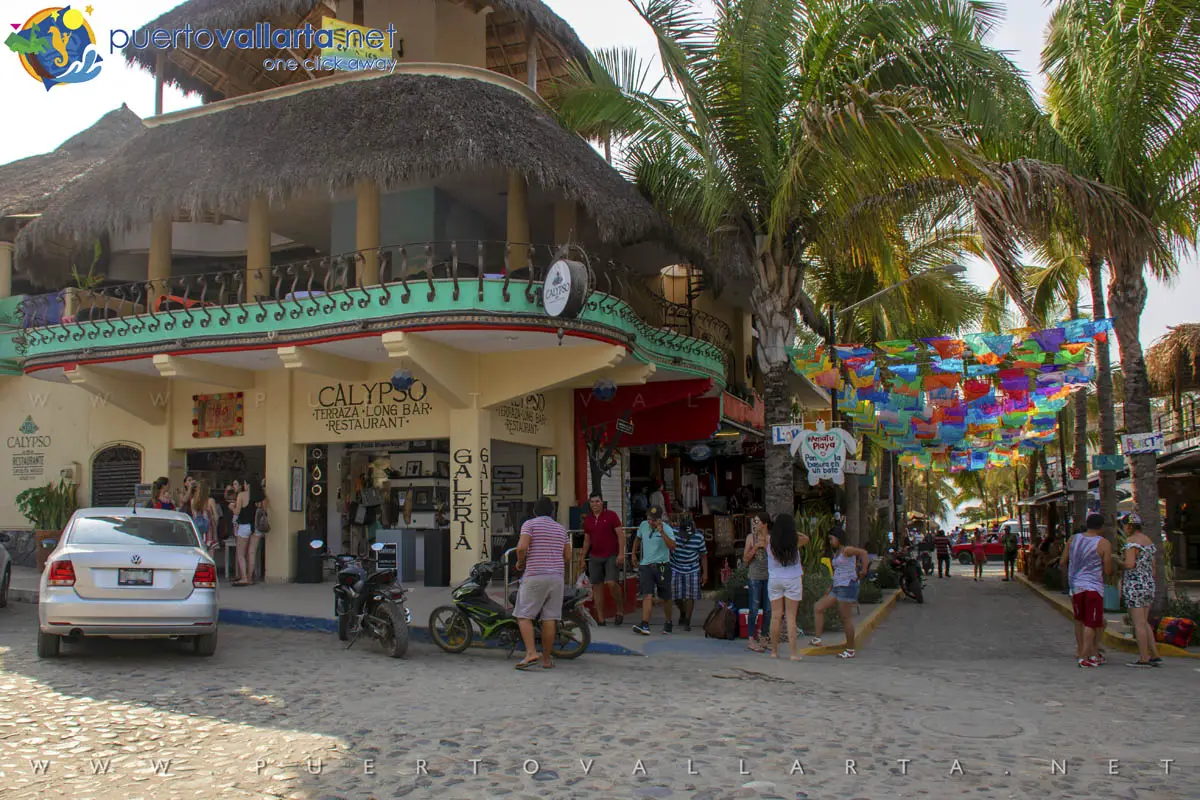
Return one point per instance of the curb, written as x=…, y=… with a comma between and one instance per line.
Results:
x=862, y=631
x=1122, y=643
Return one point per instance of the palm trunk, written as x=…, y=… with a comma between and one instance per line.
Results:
x=1079, y=457
x=777, y=407
x=886, y=489
x=1104, y=396
x=1127, y=298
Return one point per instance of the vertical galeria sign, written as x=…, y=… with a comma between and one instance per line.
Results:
x=470, y=495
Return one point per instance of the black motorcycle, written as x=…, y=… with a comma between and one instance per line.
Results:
x=369, y=602
x=906, y=568
x=453, y=628
x=926, y=562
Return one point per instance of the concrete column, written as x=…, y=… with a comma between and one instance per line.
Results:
x=282, y=455
x=258, y=249
x=470, y=490
x=6, y=262
x=158, y=270
x=518, y=221
x=366, y=232
x=566, y=222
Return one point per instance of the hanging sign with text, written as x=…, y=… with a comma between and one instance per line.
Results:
x=824, y=452
x=1137, y=443
x=1108, y=463
x=344, y=408
x=28, y=448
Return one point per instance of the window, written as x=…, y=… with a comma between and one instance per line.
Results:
x=116, y=472
x=133, y=530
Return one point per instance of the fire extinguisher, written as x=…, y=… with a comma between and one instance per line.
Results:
x=726, y=571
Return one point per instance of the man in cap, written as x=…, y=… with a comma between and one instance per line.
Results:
x=654, y=543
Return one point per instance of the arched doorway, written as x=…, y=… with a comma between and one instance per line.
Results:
x=116, y=472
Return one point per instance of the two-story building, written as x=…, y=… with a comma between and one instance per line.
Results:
x=399, y=295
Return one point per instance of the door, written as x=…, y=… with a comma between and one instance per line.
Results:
x=116, y=472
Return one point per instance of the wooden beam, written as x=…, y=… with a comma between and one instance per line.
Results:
x=500, y=42
x=307, y=359
x=193, y=369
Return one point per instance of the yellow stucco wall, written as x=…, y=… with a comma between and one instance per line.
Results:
x=432, y=30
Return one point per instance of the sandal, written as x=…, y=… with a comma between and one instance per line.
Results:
x=846, y=654
x=815, y=641
x=529, y=663
x=549, y=666
x=755, y=647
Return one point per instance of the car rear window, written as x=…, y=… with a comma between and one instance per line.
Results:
x=133, y=530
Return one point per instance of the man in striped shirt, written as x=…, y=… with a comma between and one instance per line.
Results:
x=542, y=553
x=941, y=543
x=689, y=572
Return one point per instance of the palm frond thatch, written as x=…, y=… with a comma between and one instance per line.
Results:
x=28, y=185
x=1173, y=362
x=404, y=129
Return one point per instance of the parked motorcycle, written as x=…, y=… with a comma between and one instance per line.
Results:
x=474, y=613
x=905, y=566
x=369, y=602
x=927, y=562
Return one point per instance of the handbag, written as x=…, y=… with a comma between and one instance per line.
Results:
x=722, y=622
x=262, y=522
x=372, y=497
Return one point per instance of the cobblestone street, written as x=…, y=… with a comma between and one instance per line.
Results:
x=977, y=687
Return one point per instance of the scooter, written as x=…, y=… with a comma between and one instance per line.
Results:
x=905, y=566
x=474, y=613
x=369, y=602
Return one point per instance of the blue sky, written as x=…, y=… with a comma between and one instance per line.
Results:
x=38, y=121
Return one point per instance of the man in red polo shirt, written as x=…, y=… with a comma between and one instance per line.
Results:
x=603, y=552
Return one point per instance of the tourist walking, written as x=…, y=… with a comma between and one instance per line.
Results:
x=689, y=571
x=980, y=553
x=542, y=552
x=1137, y=588
x=1088, y=559
x=652, y=559
x=785, y=582
x=755, y=556
x=1011, y=546
x=849, y=567
x=941, y=545
x=604, y=555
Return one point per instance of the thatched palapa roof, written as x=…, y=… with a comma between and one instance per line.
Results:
x=190, y=71
x=397, y=130
x=1173, y=362
x=28, y=185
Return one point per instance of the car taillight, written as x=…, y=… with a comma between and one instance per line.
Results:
x=62, y=573
x=205, y=577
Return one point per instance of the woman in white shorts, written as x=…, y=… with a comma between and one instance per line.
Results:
x=785, y=581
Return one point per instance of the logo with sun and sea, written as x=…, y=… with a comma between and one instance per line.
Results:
x=57, y=45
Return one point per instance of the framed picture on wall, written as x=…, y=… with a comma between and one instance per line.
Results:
x=412, y=469
x=513, y=473
x=422, y=500
x=549, y=472
x=443, y=469
x=419, y=445
x=297, y=490
x=507, y=489
x=400, y=447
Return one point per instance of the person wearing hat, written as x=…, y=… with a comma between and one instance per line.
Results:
x=1087, y=559
x=654, y=544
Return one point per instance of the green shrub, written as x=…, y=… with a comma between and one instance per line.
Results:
x=816, y=586
x=1183, y=606
x=886, y=577
x=869, y=593
x=738, y=579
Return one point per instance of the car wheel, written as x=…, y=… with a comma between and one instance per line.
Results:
x=4, y=582
x=965, y=558
x=205, y=645
x=48, y=645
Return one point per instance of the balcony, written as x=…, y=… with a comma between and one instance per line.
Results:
x=428, y=286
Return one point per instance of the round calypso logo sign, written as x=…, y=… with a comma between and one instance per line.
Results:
x=565, y=289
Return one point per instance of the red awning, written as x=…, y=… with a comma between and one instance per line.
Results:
x=661, y=413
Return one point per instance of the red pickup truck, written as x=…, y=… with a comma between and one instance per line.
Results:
x=992, y=546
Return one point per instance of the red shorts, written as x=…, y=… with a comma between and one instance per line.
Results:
x=1089, y=608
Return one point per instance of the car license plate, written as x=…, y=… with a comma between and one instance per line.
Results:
x=135, y=577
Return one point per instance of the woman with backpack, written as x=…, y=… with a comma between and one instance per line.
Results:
x=203, y=511
x=785, y=581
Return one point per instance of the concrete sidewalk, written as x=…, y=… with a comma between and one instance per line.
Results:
x=1116, y=634
x=309, y=607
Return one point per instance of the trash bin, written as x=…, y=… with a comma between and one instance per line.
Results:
x=309, y=562
x=437, y=557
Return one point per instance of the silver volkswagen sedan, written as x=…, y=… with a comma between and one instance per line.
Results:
x=128, y=573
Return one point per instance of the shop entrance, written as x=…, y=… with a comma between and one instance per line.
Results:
x=515, y=489
x=221, y=467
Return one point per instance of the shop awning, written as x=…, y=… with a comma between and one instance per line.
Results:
x=660, y=413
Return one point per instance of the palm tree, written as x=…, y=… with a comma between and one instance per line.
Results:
x=1123, y=88
x=804, y=127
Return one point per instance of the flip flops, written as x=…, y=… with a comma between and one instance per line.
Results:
x=529, y=664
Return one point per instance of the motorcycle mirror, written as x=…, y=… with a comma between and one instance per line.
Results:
x=316, y=544
x=377, y=546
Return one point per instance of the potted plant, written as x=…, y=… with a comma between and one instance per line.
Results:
x=48, y=508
